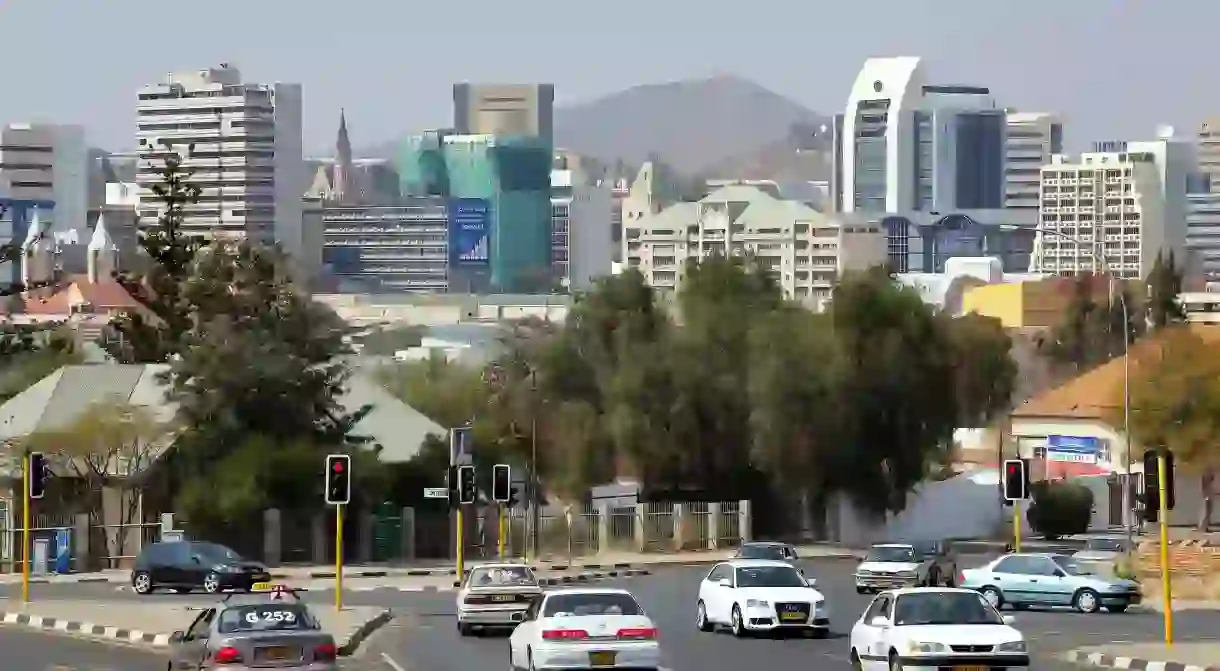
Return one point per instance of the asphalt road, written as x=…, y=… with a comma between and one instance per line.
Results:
x=27, y=650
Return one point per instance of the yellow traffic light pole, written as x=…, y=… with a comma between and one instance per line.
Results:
x=461, y=542
x=338, y=557
x=503, y=526
x=1166, y=586
x=1016, y=525
x=25, y=529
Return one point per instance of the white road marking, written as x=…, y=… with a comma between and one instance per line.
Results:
x=393, y=664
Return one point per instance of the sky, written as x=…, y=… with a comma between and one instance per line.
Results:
x=1114, y=69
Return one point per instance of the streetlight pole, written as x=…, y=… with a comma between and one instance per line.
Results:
x=535, y=519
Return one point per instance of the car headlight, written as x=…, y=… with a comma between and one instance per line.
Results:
x=923, y=648
x=757, y=603
x=1015, y=646
x=819, y=607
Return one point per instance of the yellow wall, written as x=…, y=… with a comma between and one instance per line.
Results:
x=1000, y=301
x=1035, y=304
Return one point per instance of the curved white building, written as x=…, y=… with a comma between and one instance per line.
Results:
x=878, y=134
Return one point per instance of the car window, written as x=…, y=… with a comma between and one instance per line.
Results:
x=957, y=608
x=178, y=554
x=502, y=576
x=214, y=553
x=156, y=553
x=1072, y=567
x=719, y=573
x=1023, y=565
x=879, y=608
x=265, y=617
x=891, y=553
x=202, y=624
x=590, y=603
x=769, y=576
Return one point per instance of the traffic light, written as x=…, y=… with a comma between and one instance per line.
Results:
x=1152, y=484
x=1016, y=480
x=38, y=473
x=338, y=479
x=501, y=482
x=466, y=485
x=451, y=482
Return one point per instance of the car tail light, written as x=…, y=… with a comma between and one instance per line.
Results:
x=474, y=599
x=325, y=652
x=565, y=634
x=638, y=634
x=227, y=656
x=961, y=578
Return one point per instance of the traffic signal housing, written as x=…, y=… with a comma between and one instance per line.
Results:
x=338, y=479
x=501, y=483
x=37, y=472
x=1016, y=480
x=1152, y=484
x=467, y=490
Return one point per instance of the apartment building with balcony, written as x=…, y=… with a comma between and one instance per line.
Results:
x=582, y=235
x=1030, y=139
x=47, y=163
x=805, y=249
x=1124, y=202
x=242, y=143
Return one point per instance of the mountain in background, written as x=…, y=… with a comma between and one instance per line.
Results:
x=699, y=127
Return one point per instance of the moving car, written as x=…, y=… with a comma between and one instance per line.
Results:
x=757, y=595
x=585, y=628
x=767, y=550
x=186, y=565
x=1102, y=549
x=496, y=595
x=1033, y=579
x=890, y=565
x=263, y=629
x=935, y=628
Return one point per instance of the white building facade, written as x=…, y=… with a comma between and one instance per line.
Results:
x=805, y=249
x=48, y=162
x=1031, y=138
x=1203, y=232
x=242, y=143
x=582, y=230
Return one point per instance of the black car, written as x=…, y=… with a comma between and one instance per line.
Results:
x=186, y=565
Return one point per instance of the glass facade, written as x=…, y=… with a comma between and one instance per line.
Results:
x=925, y=161
x=872, y=119
x=387, y=249
x=981, y=151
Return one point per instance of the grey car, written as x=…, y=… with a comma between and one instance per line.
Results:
x=767, y=550
x=248, y=631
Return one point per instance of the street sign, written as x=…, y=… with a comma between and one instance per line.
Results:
x=436, y=493
x=1075, y=449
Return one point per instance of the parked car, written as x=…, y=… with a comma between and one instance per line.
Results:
x=254, y=630
x=187, y=565
x=891, y=565
x=935, y=628
x=760, y=595
x=767, y=550
x=496, y=595
x=1102, y=549
x=1030, y=579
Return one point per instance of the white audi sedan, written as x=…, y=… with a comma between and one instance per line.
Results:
x=930, y=628
x=585, y=628
x=760, y=595
x=496, y=595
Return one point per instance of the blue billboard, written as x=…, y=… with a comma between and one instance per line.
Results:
x=469, y=232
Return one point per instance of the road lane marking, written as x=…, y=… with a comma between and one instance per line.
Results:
x=393, y=664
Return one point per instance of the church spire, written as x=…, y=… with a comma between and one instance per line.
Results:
x=341, y=189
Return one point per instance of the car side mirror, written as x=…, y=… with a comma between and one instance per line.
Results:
x=177, y=637
x=1008, y=619
x=811, y=581
x=725, y=582
x=879, y=621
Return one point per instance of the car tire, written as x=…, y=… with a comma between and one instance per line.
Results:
x=1086, y=601
x=211, y=583
x=141, y=582
x=1121, y=608
x=861, y=590
x=895, y=662
x=994, y=596
x=855, y=661
x=702, y=623
x=529, y=659
x=464, y=629
x=738, y=623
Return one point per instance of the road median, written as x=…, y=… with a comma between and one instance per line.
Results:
x=1183, y=656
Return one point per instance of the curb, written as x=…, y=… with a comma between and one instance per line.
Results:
x=88, y=629
x=363, y=632
x=1132, y=663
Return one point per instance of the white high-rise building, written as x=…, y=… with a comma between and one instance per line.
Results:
x=242, y=142
x=1125, y=202
x=582, y=229
x=1031, y=138
x=48, y=162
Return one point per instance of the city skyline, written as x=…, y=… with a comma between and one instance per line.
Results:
x=365, y=63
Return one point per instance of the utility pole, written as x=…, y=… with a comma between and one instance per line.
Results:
x=535, y=517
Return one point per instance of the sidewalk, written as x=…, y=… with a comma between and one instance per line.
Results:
x=150, y=624
x=1189, y=656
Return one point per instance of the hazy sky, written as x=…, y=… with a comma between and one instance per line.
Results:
x=1113, y=68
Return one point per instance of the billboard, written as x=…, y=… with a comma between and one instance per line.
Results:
x=469, y=232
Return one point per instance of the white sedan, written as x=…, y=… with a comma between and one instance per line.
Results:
x=757, y=595
x=933, y=628
x=584, y=628
x=495, y=595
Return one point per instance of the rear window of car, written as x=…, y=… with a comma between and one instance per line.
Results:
x=605, y=603
x=1105, y=544
x=509, y=576
x=265, y=617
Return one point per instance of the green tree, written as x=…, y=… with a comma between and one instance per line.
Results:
x=1091, y=332
x=985, y=374
x=1164, y=285
x=152, y=337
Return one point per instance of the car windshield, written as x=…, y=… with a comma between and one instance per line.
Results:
x=944, y=608
x=502, y=576
x=214, y=552
x=265, y=617
x=891, y=553
x=1071, y=566
x=761, y=552
x=590, y=603
x=769, y=576
x=1105, y=544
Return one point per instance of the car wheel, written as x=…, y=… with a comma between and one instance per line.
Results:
x=895, y=662
x=739, y=625
x=701, y=621
x=1121, y=608
x=464, y=629
x=993, y=596
x=211, y=583
x=861, y=590
x=855, y=661
x=141, y=582
x=529, y=658
x=1086, y=601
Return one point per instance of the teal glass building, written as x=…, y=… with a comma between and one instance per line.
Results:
x=500, y=205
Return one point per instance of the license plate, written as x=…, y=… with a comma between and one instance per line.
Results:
x=602, y=658
x=792, y=616
x=969, y=668
x=503, y=598
x=277, y=654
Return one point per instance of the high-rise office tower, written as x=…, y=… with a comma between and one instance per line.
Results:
x=505, y=110
x=242, y=143
x=1030, y=141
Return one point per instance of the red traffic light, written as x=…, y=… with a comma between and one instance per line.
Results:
x=1013, y=468
x=338, y=466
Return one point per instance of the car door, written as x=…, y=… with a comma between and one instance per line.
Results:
x=161, y=564
x=871, y=642
x=1017, y=579
x=191, y=651
x=1053, y=582
x=713, y=593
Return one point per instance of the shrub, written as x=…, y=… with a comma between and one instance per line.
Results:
x=1060, y=509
